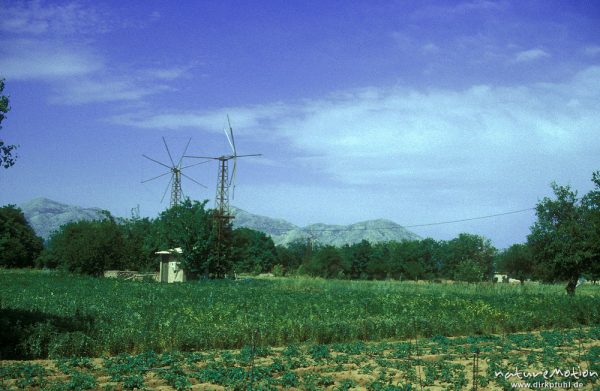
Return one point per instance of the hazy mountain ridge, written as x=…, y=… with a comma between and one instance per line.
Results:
x=284, y=233
x=47, y=216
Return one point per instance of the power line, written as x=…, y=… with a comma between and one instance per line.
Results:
x=470, y=219
x=405, y=226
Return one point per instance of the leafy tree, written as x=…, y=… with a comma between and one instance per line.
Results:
x=140, y=244
x=468, y=247
x=19, y=245
x=379, y=264
x=414, y=259
x=327, y=262
x=516, y=261
x=292, y=255
x=6, y=151
x=468, y=270
x=85, y=247
x=356, y=258
x=192, y=227
x=253, y=251
x=564, y=239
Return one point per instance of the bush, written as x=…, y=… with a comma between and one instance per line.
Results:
x=19, y=245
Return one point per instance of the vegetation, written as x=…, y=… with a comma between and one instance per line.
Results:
x=438, y=363
x=51, y=314
x=19, y=245
x=564, y=245
x=565, y=240
x=7, y=158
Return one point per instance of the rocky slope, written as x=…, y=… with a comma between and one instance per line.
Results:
x=46, y=216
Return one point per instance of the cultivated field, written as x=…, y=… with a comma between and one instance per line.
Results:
x=288, y=333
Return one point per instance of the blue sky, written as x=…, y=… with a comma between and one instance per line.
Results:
x=414, y=111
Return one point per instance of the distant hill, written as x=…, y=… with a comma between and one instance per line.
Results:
x=285, y=233
x=46, y=216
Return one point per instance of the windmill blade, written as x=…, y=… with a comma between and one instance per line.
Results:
x=156, y=161
x=167, y=189
x=156, y=177
x=169, y=152
x=254, y=154
x=193, y=180
x=202, y=157
x=195, y=164
x=232, y=138
x=184, y=151
x=233, y=171
x=228, y=137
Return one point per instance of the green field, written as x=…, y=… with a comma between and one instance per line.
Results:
x=49, y=314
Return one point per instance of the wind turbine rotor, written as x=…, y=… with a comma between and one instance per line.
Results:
x=176, y=173
x=168, y=152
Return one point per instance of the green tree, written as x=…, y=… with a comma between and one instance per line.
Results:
x=516, y=261
x=379, y=264
x=292, y=255
x=19, y=245
x=564, y=239
x=86, y=247
x=7, y=158
x=468, y=270
x=140, y=244
x=468, y=247
x=253, y=251
x=326, y=262
x=356, y=259
x=192, y=227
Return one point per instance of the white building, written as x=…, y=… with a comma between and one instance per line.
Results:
x=170, y=270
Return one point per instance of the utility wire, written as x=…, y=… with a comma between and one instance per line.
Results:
x=469, y=219
x=404, y=226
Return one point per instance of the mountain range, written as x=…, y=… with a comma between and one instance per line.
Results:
x=46, y=216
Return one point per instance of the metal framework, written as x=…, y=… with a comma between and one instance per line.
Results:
x=176, y=173
x=225, y=182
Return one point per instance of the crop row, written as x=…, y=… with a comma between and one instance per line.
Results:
x=418, y=363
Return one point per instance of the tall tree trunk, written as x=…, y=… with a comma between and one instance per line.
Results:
x=571, y=285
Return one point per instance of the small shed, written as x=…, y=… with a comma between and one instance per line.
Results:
x=500, y=278
x=170, y=270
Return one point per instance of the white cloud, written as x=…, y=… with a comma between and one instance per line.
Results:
x=85, y=91
x=430, y=48
x=404, y=137
x=592, y=51
x=25, y=59
x=38, y=17
x=530, y=55
x=167, y=73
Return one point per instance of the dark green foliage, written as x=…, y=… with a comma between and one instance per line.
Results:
x=565, y=238
x=193, y=228
x=140, y=244
x=19, y=245
x=292, y=256
x=86, y=247
x=516, y=261
x=7, y=158
x=468, y=247
x=252, y=251
x=356, y=259
x=468, y=271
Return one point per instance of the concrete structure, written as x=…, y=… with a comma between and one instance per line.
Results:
x=170, y=270
x=131, y=275
x=500, y=278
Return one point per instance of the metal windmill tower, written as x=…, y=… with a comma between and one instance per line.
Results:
x=176, y=173
x=225, y=180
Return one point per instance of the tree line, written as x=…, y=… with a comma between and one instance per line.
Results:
x=564, y=245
